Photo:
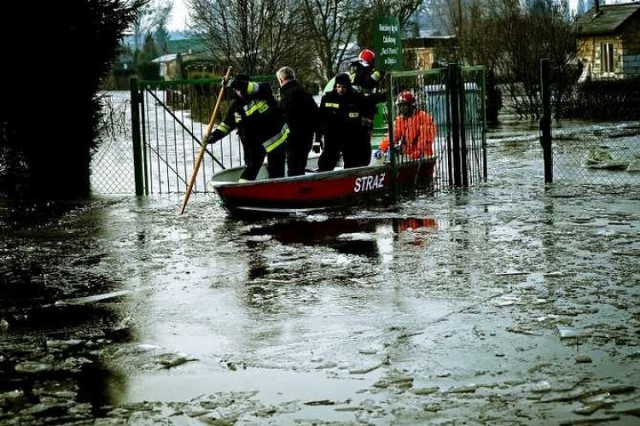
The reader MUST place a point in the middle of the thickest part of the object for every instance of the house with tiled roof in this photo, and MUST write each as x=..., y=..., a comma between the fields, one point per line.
x=608, y=41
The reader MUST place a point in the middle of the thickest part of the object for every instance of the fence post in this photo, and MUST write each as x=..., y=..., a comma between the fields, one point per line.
x=545, y=121
x=453, y=77
x=392, y=152
x=462, y=105
x=136, y=138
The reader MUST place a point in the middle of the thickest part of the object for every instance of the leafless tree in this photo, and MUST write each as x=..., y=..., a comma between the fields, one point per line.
x=510, y=40
x=315, y=37
x=530, y=35
x=331, y=29
x=255, y=36
x=151, y=16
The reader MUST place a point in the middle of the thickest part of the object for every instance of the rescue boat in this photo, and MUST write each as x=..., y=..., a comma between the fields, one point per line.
x=378, y=183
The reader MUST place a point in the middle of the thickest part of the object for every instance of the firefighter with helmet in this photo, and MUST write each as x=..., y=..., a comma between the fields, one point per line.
x=414, y=130
x=364, y=77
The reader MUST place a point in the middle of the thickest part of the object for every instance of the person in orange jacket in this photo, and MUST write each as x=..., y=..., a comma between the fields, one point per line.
x=414, y=130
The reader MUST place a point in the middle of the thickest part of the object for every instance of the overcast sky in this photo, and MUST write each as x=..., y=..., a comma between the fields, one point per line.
x=178, y=16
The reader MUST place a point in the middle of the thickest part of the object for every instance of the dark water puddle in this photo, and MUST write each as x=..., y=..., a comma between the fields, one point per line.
x=100, y=386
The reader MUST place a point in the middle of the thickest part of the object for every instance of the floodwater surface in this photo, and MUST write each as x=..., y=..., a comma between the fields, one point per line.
x=509, y=303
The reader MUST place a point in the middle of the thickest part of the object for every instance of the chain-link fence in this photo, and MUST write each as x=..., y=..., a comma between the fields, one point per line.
x=597, y=153
x=112, y=170
x=587, y=153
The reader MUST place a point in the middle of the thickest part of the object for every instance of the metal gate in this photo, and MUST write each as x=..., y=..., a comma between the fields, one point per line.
x=454, y=97
x=169, y=119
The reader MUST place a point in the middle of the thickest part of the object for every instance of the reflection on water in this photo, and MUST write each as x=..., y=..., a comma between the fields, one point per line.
x=101, y=386
x=345, y=235
x=339, y=250
x=258, y=267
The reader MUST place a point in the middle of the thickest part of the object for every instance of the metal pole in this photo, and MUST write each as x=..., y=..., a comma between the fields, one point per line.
x=545, y=121
x=135, y=136
x=454, y=105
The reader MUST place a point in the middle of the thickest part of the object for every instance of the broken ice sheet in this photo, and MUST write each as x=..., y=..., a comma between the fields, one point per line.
x=566, y=332
x=541, y=386
x=507, y=301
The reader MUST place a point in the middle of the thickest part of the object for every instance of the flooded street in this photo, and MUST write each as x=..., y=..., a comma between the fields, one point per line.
x=507, y=304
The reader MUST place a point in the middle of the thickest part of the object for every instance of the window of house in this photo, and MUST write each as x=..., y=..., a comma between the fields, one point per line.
x=606, y=57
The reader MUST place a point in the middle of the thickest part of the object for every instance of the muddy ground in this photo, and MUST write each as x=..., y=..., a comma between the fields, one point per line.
x=508, y=304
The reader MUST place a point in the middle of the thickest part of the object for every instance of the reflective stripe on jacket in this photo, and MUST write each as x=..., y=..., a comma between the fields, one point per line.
x=277, y=140
x=256, y=105
x=223, y=127
x=257, y=118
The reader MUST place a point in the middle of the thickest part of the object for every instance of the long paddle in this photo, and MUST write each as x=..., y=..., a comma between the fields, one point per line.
x=203, y=147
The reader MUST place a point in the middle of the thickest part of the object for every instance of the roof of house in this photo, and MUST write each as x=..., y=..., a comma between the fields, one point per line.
x=165, y=58
x=607, y=19
x=193, y=47
x=186, y=45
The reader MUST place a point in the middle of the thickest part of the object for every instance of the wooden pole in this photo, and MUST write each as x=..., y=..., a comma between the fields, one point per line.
x=203, y=146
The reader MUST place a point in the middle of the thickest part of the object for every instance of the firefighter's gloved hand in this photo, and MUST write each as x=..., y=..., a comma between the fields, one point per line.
x=317, y=146
x=214, y=137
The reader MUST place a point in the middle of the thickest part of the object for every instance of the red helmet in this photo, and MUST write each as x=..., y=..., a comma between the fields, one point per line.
x=367, y=55
x=406, y=97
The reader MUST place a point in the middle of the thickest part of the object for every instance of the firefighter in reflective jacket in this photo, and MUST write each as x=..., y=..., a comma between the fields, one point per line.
x=413, y=130
x=345, y=131
x=261, y=127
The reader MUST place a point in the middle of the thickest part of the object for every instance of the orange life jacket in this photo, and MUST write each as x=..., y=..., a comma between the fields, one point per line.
x=417, y=133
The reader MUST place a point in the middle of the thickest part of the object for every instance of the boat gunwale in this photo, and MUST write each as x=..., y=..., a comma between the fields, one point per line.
x=313, y=176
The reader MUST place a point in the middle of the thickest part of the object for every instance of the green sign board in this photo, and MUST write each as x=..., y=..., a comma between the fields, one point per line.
x=388, y=43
